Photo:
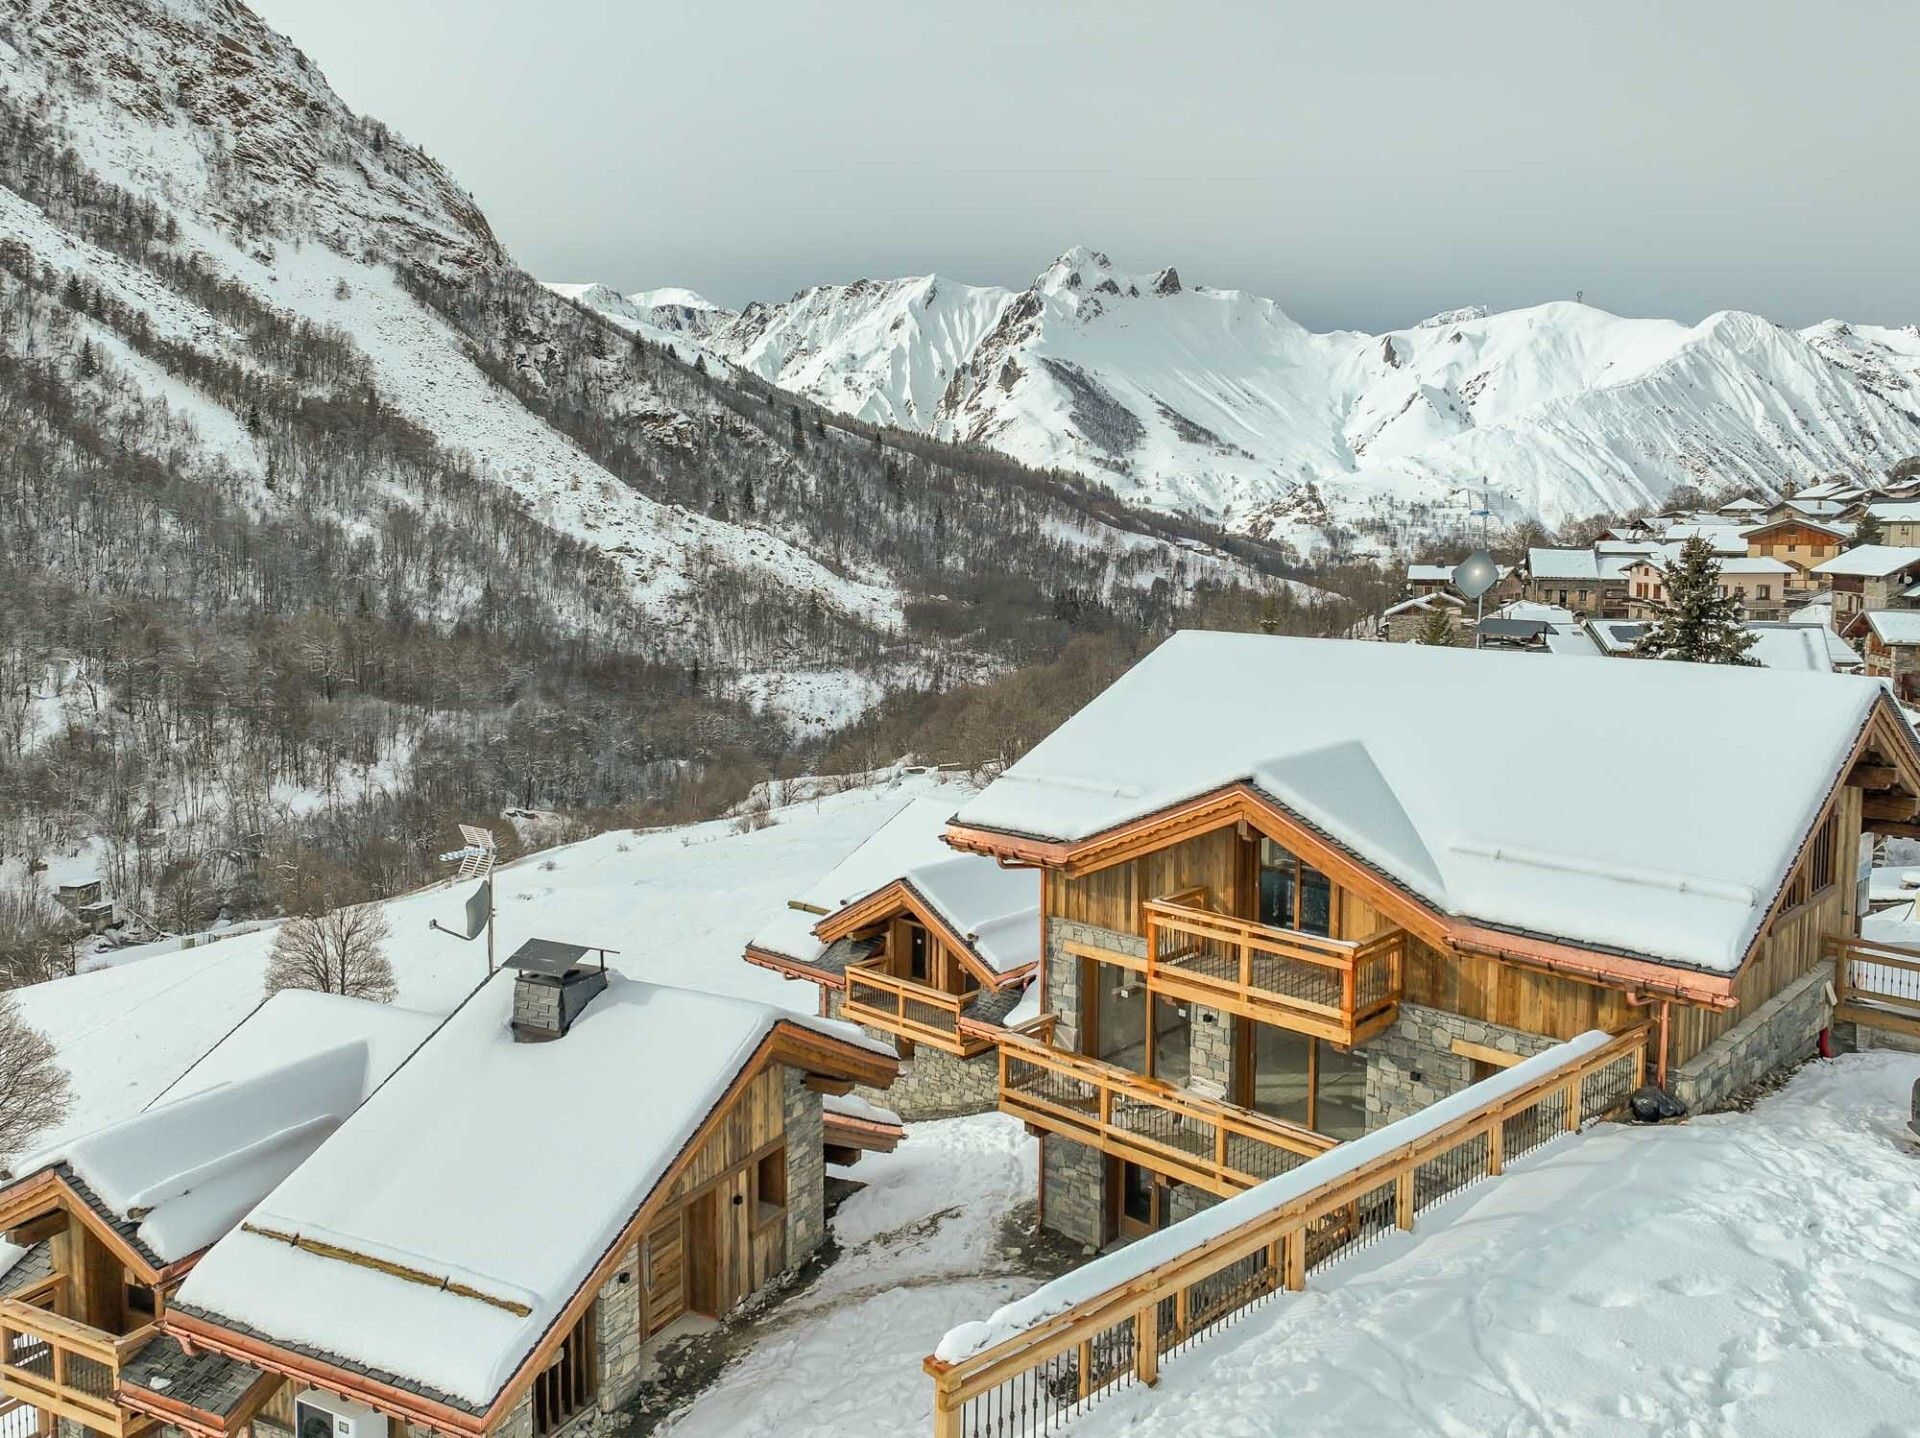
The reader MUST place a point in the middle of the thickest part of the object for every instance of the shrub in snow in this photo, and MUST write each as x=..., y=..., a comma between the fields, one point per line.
x=339, y=952
x=33, y=1088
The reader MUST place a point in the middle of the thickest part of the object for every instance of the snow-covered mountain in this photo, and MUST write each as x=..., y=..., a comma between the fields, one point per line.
x=1214, y=403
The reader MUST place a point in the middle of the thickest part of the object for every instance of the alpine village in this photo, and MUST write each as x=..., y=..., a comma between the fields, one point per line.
x=926, y=858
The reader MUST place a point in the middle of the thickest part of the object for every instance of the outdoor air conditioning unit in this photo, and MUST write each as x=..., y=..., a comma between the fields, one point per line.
x=322, y=1415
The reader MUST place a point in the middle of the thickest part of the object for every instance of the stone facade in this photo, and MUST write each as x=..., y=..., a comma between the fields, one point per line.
x=616, y=1321
x=1782, y=1031
x=933, y=1084
x=1413, y=1065
x=806, y=1170
x=1074, y=1179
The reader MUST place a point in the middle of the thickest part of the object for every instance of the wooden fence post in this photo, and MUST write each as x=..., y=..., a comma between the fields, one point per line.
x=1146, y=1344
x=1295, y=1244
x=946, y=1412
x=1572, y=1105
x=1403, y=1199
x=1497, y=1146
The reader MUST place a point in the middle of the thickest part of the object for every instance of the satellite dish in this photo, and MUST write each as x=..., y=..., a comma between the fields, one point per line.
x=1476, y=574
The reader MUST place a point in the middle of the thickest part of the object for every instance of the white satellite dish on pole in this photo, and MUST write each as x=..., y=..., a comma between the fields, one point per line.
x=475, y=861
x=1473, y=577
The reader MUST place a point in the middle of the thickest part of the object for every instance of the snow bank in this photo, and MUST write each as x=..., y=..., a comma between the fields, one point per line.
x=1122, y=1266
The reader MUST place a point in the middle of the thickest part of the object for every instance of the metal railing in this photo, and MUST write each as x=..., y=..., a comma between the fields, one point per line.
x=1045, y=1373
x=909, y=1010
x=1219, y=1146
x=1341, y=990
x=62, y=1365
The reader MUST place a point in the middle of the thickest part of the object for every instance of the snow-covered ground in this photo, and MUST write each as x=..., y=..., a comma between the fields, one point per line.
x=679, y=905
x=922, y=1244
x=1746, y=1275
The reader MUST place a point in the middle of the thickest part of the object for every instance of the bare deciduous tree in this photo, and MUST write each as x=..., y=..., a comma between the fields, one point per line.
x=33, y=1086
x=341, y=952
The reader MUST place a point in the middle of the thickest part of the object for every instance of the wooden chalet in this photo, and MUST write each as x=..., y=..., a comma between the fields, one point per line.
x=375, y=1220
x=1282, y=906
x=932, y=948
x=1800, y=543
x=1870, y=576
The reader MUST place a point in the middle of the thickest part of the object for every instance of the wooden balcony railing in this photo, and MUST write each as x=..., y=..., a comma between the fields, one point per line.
x=1217, y=1146
x=1875, y=982
x=909, y=1010
x=67, y=1368
x=1341, y=990
x=1098, y=1330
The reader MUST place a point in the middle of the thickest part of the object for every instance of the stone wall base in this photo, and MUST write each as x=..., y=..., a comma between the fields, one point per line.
x=1075, y=1181
x=1413, y=1065
x=1784, y=1030
x=933, y=1084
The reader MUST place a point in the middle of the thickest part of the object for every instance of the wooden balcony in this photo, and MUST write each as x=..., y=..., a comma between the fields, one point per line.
x=64, y=1367
x=908, y=1010
x=1218, y=1146
x=1335, y=989
x=1876, y=984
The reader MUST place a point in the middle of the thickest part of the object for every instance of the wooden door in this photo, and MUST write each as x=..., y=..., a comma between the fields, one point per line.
x=663, y=1274
x=1138, y=1204
x=720, y=1245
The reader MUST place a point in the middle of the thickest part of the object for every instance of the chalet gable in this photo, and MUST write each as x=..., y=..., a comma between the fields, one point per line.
x=1533, y=847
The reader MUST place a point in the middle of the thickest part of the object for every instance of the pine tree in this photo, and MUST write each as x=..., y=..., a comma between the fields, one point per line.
x=1696, y=621
x=1869, y=530
x=1436, y=628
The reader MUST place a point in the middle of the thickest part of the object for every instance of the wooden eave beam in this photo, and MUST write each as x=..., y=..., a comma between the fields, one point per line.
x=901, y=897
x=822, y=1084
x=791, y=968
x=1867, y=775
x=36, y=1229
x=1900, y=810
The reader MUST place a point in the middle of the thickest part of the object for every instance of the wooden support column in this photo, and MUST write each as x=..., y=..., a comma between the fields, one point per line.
x=1403, y=1199
x=1497, y=1146
x=1296, y=1260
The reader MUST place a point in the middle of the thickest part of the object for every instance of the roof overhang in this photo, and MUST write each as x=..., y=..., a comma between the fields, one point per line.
x=48, y=1189
x=902, y=897
x=1241, y=801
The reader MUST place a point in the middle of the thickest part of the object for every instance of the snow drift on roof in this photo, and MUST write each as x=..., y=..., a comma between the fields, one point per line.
x=248, y=1113
x=489, y=1162
x=996, y=910
x=1533, y=829
x=1895, y=626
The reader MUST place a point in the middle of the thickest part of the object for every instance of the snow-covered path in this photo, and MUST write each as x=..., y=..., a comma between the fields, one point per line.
x=1738, y=1276
x=922, y=1248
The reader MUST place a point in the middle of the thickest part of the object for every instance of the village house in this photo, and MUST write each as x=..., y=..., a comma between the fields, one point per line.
x=1587, y=581
x=1758, y=586
x=1889, y=641
x=1404, y=622
x=1801, y=543
x=930, y=948
x=357, y=1220
x=1899, y=521
x=1285, y=916
x=1425, y=579
x=1871, y=576
x=1742, y=510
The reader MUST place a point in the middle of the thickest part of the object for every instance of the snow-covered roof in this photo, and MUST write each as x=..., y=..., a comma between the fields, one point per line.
x=490, y=1163
x=996, y=910
x=1871, y=560
x=1817, y=508
x=1905, y=511
x=1798, y=521
x=1425, y=602
x=1607, y=561
x=1813, y=647
x=181, y=1173
x=1532, y=834
x=1616, y=636
x=1529, y=609
x=1722, y=537
x=1742, y=505
x=1571, y=641
x=1429, y=574
x=1755, y=566
x=1895, y=626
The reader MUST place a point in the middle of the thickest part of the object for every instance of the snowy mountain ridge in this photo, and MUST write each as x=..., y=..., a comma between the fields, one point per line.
x=1215, y=403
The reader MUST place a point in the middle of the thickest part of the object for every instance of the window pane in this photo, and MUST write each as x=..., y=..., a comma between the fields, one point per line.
x=916, y=953
x=1316, y=902
x=1170, y=1041
x=1280, y=1073
x=1121, y=1008
x=1276, y=885
x=1343, y=1093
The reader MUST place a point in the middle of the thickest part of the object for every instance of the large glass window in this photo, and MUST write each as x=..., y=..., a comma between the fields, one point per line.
x=918, y=955
x=1293, y=895
x=1172, y=1041
x=1340, y=1092
x=1120, y=1016
x=1306, y=1081
x=1282, y=1074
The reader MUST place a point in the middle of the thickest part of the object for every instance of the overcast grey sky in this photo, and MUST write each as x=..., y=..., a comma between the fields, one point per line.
x=1363, y=163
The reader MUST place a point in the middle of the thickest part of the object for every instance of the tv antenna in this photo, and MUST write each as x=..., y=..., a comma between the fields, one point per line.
x=473, y=860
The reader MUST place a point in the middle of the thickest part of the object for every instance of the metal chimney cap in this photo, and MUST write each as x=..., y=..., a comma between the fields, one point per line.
x=548, y=958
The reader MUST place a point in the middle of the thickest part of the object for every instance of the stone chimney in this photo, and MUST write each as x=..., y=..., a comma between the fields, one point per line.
x=553, y=984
